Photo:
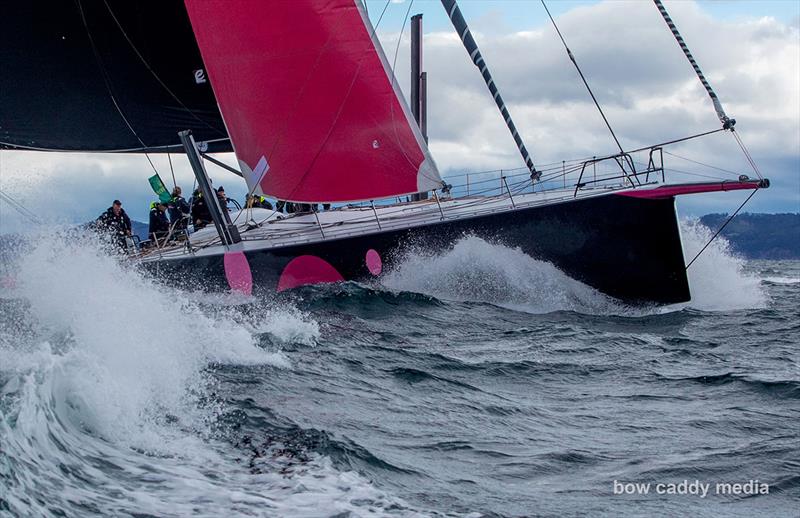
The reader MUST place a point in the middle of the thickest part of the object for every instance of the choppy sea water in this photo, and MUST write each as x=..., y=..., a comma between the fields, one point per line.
x=477, y=381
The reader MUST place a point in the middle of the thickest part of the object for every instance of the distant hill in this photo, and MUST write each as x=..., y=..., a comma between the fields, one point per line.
x=760, y=236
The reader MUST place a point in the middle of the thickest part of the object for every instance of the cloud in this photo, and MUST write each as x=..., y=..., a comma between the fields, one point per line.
x=644, y=83
x=638, y=73
x=77, y=187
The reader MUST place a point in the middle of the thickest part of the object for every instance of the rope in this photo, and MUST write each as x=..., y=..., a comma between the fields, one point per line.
x=20, y=208
x=580, y=73
x=471, y=46
x=172, y=170
x=150, y=69
x=727, y=122
x=722, y=227
x=107, y=82
x=702, y=164
x=747, y=154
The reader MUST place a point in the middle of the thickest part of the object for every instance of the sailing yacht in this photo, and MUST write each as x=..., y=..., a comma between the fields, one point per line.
x=304, y=96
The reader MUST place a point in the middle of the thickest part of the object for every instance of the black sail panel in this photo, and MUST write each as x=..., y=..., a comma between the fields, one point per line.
x=103, y=75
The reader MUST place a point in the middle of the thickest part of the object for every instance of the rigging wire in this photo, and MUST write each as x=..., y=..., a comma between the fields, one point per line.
x=702, y=164
x=583, y=78
x=394, y=80
x=107, y=82
x=727, y=122
x=391, y=101
x=172, y=170
x=747, y=154
x=20, y=208
x=720, y=228
x=153, y=72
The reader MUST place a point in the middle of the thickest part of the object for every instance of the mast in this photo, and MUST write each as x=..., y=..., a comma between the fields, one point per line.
x=418, y=94
x=416, y=65
x=454, y=13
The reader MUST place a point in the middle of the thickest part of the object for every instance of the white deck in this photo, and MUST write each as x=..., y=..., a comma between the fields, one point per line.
x=276, y=230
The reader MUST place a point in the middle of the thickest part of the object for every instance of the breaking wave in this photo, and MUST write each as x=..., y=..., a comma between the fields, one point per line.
x=718, y=278
x=108, y=404
x=477, y=270
x=481, y=271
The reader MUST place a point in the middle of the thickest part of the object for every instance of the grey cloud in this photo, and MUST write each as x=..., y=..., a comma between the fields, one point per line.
x=636, y=69
x=641, y=78
x=75, y=188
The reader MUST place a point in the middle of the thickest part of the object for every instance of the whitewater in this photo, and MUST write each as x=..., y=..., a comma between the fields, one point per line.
x=476, y=381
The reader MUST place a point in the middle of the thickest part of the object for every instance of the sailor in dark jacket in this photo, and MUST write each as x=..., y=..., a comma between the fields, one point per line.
x=201, y=216
x=159, y=224
x=178, y=210
x=116, y=223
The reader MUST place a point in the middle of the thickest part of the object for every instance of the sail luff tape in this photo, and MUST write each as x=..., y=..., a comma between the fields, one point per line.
x=460, y=25
x=726, y=121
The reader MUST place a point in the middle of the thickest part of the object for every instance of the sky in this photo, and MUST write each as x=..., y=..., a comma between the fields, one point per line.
x=749, y=51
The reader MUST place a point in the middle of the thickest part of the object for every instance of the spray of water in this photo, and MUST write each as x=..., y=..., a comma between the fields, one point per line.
x=477, y=270
x=107, y=398
x=132, y=352
x=718, y=278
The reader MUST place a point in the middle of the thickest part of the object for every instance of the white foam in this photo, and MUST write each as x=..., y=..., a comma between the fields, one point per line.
x=782, y=280
x=718, y=278
x=477, y=270
x=112, y=383
x=137, y=349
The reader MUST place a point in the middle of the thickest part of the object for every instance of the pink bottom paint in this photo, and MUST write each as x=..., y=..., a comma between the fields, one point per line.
x=237, y=273
x=305, y=270
x=374, y=263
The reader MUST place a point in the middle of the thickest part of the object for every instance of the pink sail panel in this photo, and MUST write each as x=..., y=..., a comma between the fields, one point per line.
x=308, y=100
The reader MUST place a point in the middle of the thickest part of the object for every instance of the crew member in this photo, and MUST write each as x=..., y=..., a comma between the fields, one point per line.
x=201, y=216
x=178, y=210
x=159, y=224
x=116, y=223
x=223, y=200
x=258, y=202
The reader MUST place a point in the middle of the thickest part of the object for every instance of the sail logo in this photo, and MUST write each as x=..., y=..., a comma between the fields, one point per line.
x=200, y=76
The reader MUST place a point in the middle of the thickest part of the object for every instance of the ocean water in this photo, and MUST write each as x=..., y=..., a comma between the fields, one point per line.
x=472, y=382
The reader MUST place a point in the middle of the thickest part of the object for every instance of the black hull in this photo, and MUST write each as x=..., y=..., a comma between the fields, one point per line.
x=628, y=248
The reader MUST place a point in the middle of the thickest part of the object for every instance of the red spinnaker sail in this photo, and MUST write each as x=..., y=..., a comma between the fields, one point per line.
x=309, y=100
